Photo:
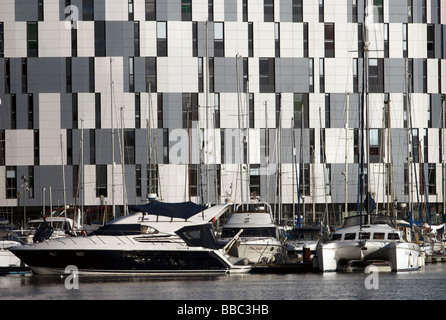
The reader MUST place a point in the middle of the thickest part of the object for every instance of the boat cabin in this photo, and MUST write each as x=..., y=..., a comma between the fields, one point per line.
x=374, y=227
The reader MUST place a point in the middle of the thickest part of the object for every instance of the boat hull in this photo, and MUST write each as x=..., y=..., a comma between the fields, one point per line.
x=401, y=256
x=127, y=262
x=259, y=250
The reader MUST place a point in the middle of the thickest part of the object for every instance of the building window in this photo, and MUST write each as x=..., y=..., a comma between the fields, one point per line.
x=405, y=46
x=32, y=36
x=129, y=146
x=30, y=111
x=376, y=75
x=267, y=75
x=301, y=110
x=374, y=145
x=2, y=40
x=200, y=75
x=311, y=74
x=245, y=10
x=88, y=10
x=277, y=39
x=150, y=10
x=13, y=111
x=2, y=148
x=329, y=34
x=210, y=10
x=355, y=75
x=193, y=180
x=424, y=76
x=160, y=110
x=297, y=11
x=137, y=110
x=24, y=75
x=166, y=146
x=69, y=78
x=161, y=38
x=378, y=4
x=40, y=10
x=99, y=38
x=386, y=40
x=92, y=146
x=304, y=173
x=195, y=39
x=136, y=38
x=186, y=10
x=36, y=147
x=131, y=13
x=430, y=41
x=152, y=178
x=138, y=177
x=217, y=110
x=321, y=75
x=355, y=11
x=69, y=147
x=219, y=42
x=250, y=39
x=409, y=11
x=432, y=175
x=190, y=109
x=251, y=111
x=423, y=11
x=91, y=68
x=327, y=110
x=131, y=74
x=97, y=100
x=11, y=182
x=101, y=181
x=74, y=110
x=211, y=75
x=305, y=39
x=321, y=10
x=328, y=179
x=151, y=83
x=268, y=10
x=7, y=76
x=254, y=180
x=73, y=42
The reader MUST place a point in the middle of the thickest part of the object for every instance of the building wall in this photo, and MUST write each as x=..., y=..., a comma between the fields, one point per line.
x=77, y=79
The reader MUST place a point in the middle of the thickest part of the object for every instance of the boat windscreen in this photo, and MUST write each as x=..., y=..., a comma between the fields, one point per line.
x=374, y=219
x=198, y=236
x=183, y=210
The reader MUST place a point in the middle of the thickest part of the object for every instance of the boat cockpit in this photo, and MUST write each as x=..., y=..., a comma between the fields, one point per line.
x=372, y=219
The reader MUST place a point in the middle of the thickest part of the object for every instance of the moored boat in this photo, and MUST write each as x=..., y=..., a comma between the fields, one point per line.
x=157, y=238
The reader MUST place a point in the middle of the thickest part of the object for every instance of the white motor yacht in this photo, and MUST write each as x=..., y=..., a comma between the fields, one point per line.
x=377, y=240
x=260, y=240
x=300, y=237
x=158, y=238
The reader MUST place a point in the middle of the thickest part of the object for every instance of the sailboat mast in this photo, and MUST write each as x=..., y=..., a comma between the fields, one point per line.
x=112, y=140
x=346, y=156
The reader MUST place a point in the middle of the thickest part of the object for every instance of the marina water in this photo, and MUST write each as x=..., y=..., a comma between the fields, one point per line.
x=428, y=283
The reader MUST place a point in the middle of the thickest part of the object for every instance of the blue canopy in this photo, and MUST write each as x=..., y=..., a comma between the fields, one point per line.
x=183, y=210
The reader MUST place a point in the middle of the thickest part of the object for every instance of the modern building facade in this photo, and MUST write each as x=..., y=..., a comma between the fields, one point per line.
x=210, y=100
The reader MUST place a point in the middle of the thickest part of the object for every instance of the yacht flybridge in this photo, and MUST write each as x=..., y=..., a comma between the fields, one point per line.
x=158, y=238
x=377, y=240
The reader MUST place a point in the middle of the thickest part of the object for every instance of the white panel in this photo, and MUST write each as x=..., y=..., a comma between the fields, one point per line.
x=86, y=109
x=50, y=10
x=19, y=154
x=264, y=40
x=85, y=38
x=395, y=40
x=15, y=39
x=432, y=75
x=291, y=40
x=147, y=40
x=7, y=10
x=199, y=10
x=54, y=39
x=236, y=39
x=139, y=11
x=116, y=10
x=417, y=35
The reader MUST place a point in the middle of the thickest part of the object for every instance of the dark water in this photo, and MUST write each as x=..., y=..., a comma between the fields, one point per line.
x=428, y=283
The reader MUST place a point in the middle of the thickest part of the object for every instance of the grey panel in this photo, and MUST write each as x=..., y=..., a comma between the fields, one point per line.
x=292, y=75
x=286, y=11
x=398, y=11
x=22, y=109
x=230, y=10
x=66, y=111
x=394, y=75
x=80, y=74
x=225, y=70
x=172, y=110
x=140, y=74
x=99, y=10
x=26, y=10
x=15, y=66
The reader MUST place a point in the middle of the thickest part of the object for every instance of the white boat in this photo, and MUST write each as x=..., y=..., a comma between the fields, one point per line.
x=260, y=240
x=377, y=240
x=157, y=239
x=54, y=226
x=300, y=237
